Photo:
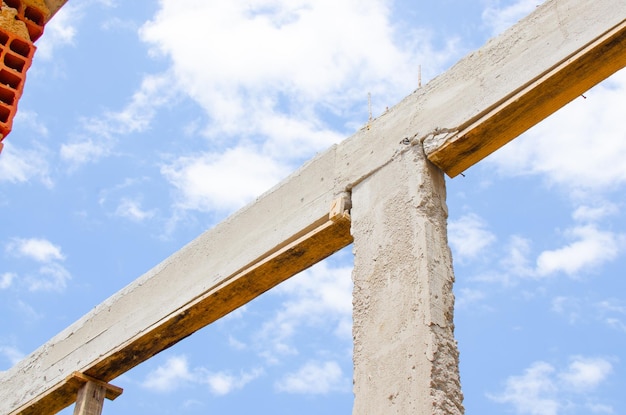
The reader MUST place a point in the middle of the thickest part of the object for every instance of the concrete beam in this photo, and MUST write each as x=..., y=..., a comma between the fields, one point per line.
x=552, y=57
x=287, y=229
x=499, y=91
x=283, y=232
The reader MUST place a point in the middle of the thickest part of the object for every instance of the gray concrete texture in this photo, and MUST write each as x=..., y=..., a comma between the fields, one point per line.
x=361, y=165
x=405, y=355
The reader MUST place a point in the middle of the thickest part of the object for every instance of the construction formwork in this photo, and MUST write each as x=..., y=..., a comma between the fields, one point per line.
x=21, y=23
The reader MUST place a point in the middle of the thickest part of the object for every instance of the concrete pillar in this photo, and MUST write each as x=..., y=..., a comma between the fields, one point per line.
x=405, y=355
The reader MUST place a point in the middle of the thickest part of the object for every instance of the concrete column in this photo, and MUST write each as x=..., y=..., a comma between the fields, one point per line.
x=405, y=355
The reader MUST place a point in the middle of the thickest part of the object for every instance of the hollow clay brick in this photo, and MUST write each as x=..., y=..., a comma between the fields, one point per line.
x=9, y=23
x=33, y=13
x=16, y=56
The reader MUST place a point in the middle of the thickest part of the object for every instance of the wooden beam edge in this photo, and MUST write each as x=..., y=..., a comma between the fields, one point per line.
x=456, y=151
x=230, y=294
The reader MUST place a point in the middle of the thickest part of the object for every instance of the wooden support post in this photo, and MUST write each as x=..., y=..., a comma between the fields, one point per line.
x=90, y=398
x=405, y=355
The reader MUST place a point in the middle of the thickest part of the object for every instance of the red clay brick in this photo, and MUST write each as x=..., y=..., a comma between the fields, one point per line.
x=16, y=56
x=33, y=13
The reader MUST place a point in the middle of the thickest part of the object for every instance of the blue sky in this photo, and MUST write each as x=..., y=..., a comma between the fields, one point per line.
x=144, y=123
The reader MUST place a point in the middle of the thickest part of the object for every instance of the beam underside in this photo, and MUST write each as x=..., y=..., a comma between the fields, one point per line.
x=203, y=281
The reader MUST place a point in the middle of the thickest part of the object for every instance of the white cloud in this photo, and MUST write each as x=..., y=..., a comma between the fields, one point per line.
x=516, y=262
x=21, y=166
x=543, y=390
x=99, y=135
x=131, y=209
x=303, y=68
x=236, y=344
x=263, y=122
x=28, y=312
x=170, y=376
x=38, y=249
x=611, y=313
x=155, y=91
x=597, y=408
x=83, y=151
x=31, y=120
x=467, y=297
x=580, y=149
x=594, y=213
x=222, y=181
x=11, y=353
x=616, y=324
x=51, y=275
x=60, y=31
x=585, y=374
x=611, y=305
x=321, y=297
x=499, y=19
x=315, y=378
x=6, y=280
x=531, y=393
x=591, y=249
x=567, y=306
x=118, y=24
x=469, y=236
x=223, y=383
x=176, y=373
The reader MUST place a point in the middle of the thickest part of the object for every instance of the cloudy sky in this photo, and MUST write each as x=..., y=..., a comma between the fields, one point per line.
x=145, y=123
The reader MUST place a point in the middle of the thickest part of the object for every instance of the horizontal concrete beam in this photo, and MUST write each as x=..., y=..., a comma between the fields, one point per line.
x=287, y=229
x=284, y=232
x=552, y=57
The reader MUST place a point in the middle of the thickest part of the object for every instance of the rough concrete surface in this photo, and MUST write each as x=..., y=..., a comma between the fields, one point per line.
x=401, y=252
x=405, y=355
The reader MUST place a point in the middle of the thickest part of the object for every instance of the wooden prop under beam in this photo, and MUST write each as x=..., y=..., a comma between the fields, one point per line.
x=91, y=394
